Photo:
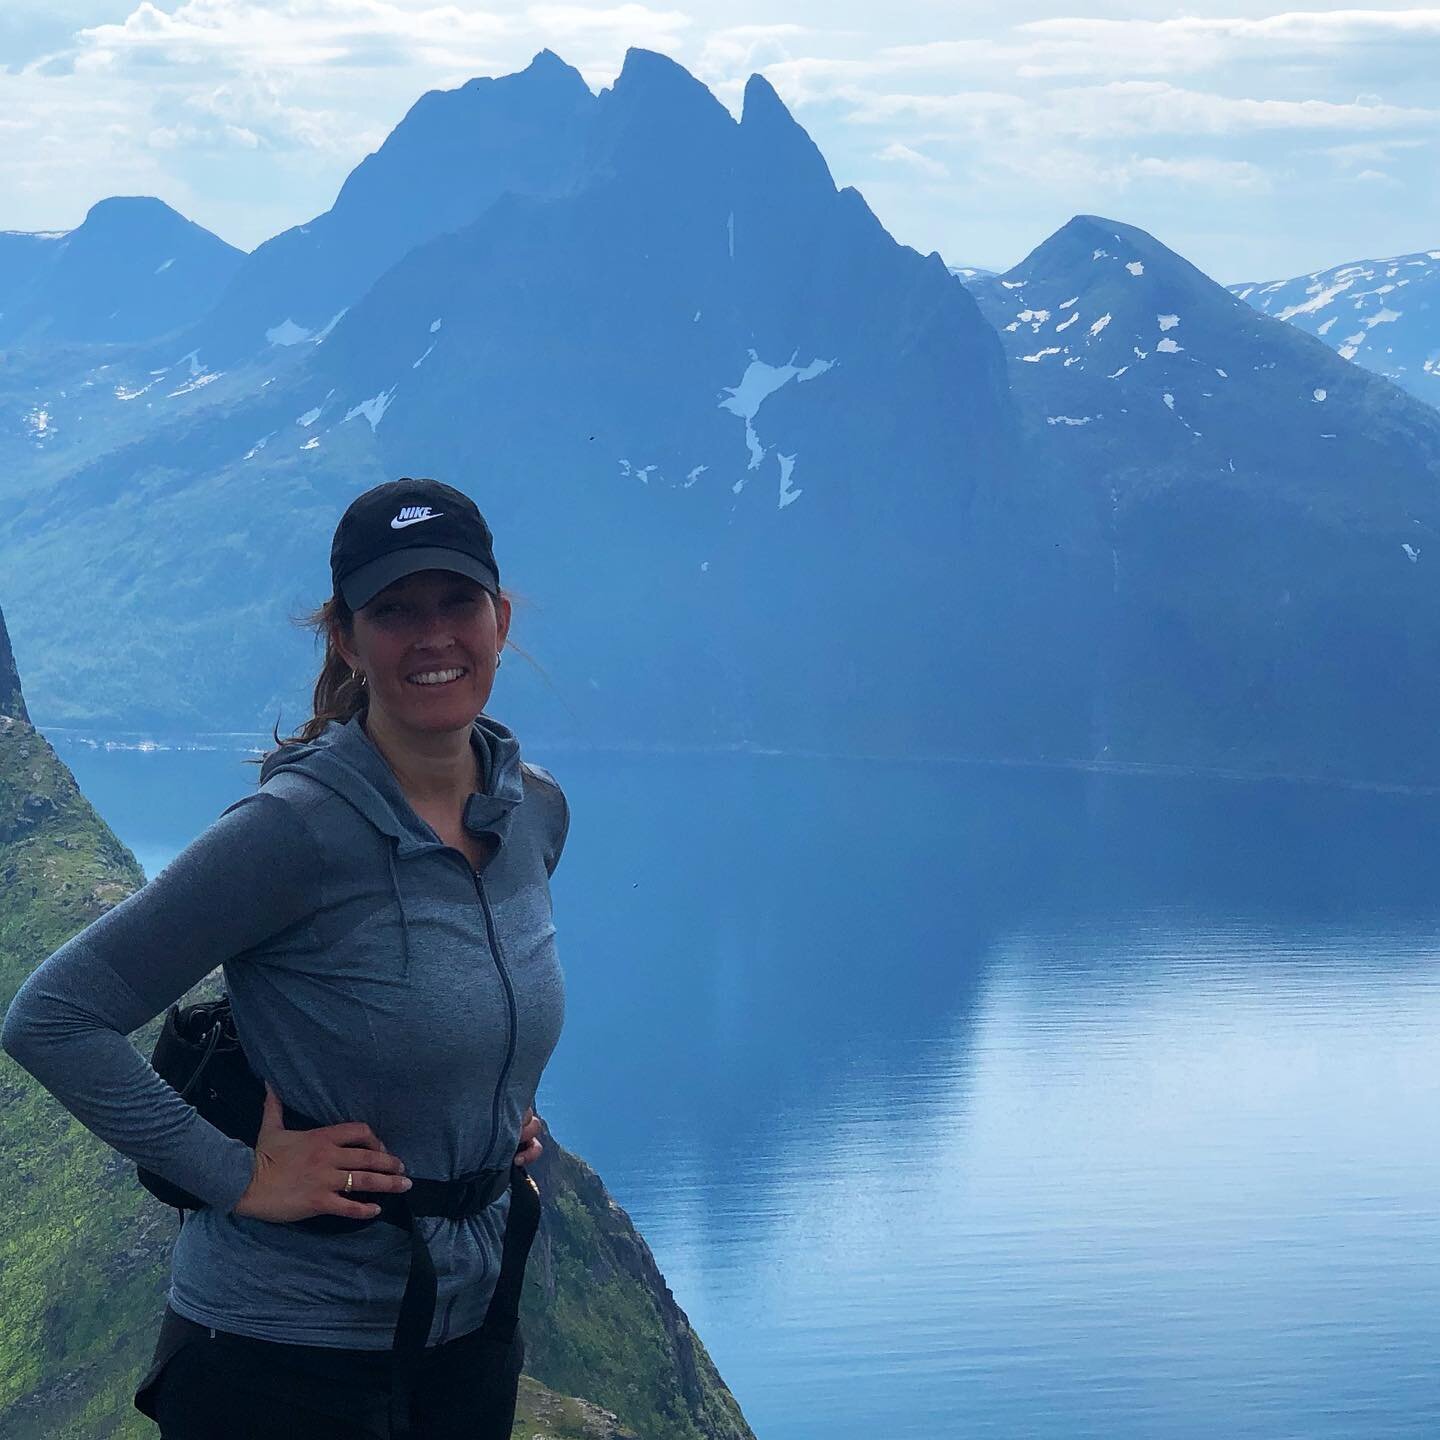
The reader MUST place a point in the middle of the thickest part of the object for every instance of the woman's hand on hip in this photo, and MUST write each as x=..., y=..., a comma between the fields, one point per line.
x=530, y=1146
x=300, y=1173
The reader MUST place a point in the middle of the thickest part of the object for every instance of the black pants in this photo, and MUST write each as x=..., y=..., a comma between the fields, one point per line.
x=205, y=1385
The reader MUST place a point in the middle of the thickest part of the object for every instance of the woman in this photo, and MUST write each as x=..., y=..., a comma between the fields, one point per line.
x=381, y=908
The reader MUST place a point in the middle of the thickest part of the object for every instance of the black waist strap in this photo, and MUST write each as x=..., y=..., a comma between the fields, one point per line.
x=452, y=1199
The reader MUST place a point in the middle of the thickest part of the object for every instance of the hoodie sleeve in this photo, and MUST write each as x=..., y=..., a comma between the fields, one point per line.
x=559, y=809
x=251, y=874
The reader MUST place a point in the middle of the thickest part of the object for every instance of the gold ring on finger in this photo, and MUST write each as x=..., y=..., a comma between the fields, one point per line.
x=349, y=1180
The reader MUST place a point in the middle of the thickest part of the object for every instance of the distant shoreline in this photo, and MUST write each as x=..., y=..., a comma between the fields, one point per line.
x=244, y=742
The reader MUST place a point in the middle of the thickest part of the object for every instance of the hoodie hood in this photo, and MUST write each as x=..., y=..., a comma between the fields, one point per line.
x=344, y=759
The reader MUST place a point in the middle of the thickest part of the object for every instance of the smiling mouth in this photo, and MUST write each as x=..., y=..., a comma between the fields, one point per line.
x=437, y=678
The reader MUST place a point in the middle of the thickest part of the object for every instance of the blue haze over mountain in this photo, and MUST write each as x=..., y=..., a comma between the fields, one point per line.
x=452, y=156
x=133, y=269
x=1262, y=514
x=1382, y=314
x=762, y=475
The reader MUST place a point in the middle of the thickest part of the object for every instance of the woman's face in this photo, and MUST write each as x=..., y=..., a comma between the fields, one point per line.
x=427, y=646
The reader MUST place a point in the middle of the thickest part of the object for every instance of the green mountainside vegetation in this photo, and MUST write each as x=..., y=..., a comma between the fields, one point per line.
x=84, y=1252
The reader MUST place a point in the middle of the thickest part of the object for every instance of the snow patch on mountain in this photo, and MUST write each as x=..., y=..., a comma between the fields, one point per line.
x=287, y=332
x=1360, y=297
x=196, y=383
x=1320, y=297
x=330, y=324
x=642, y=473
x=757, y=384
x=374, y=408
x=787, y=468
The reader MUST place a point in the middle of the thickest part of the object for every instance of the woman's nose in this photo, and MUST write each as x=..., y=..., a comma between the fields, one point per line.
x=434, y=631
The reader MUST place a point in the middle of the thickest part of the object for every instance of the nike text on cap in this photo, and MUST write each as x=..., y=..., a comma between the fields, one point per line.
x=407, y=525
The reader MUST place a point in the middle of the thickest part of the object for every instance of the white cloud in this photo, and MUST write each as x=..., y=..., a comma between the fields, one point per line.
x=923, y=164
x=286, y=36
x=628, y=20
x=1187, y=44
x=1135, y=107
x=1374, y=177
x=1203, y=170
x=249, y=113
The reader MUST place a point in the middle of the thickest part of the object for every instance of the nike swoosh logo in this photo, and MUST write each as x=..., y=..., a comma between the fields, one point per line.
x=398, y=524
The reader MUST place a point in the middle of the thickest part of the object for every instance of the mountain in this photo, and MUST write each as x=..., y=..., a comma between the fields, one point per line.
x=1254, y=519
x=759, y=476
x=84, y=1253
x=447, y=161
x=1382, y=314
x=23, y=256
x=135, y=269
x=12, y=702
x=714, y=413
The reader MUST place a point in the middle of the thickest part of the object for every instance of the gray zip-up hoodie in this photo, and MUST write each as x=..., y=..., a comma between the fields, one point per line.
x=374, y=976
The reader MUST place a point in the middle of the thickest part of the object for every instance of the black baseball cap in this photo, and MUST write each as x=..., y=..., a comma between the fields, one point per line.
x=407, y=525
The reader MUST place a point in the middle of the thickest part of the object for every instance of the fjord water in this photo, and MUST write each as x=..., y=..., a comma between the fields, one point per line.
x=966, y=1101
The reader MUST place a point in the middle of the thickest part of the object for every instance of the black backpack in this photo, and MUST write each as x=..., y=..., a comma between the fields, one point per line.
x=200, y=1055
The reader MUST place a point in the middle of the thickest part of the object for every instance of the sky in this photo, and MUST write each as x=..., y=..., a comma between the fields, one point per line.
x=1258, y=142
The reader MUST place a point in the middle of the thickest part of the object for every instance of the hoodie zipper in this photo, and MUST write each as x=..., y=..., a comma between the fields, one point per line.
x=510, y=1051
x=510, y=1003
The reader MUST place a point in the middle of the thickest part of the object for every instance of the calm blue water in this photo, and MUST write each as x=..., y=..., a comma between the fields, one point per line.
x=964, y=1102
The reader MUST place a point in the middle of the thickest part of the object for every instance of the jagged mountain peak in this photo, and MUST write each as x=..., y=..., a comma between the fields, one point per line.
x=766, y=122
x=448, y=130
x=763, y=102
x=653, y=70
x=657, y=118
x=12, y=702
x=653, y=89
x=454, y=154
